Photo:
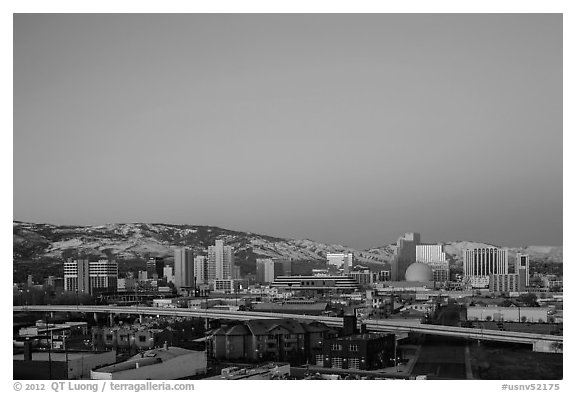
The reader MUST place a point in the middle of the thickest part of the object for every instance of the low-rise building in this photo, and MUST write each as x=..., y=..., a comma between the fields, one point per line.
x=364, y=351
x=264, y=372
x=507, y=314
x=58, y=364
x=226, y=286
x=161, y=363
x=131, y=339
x=506, y=283
x=267, y=339
x=316, y=283
x=363, y=277
x=304, y=307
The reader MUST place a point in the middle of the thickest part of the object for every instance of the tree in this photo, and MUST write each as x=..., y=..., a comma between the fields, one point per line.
x=529, y=299
x=506, y=303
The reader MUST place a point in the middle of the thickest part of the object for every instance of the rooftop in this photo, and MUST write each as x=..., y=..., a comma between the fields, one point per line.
x=147, y=358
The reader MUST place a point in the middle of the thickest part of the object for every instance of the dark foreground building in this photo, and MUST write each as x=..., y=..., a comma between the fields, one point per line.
x=283, y=340
x=363, y=351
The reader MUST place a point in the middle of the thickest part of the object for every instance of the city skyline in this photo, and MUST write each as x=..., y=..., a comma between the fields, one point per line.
x=344, y=129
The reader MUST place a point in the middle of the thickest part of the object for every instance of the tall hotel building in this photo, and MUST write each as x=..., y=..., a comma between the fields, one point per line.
x=83, y=276
x=523, y=269
x=405, y=255
x=155, y=268
x=433, y=256
x=480, y=263
x=183, y=268
x=220, y=261
x=77, y=276
x=200, y=269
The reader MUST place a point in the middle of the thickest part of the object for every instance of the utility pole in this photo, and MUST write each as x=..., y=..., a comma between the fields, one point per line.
x=50, y=347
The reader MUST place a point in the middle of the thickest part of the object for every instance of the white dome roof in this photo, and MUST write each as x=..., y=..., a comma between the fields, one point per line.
x=419, y=272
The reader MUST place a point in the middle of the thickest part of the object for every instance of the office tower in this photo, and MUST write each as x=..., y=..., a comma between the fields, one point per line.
x=433, y=256
x=200, y=270
x=523, y=269
x=220, y=261
x=83, y=276
x=155, y=268
x=341, y=260
x=480, y=263
x=267, y=270
x=286, y=265
x=183, y=268
x=77, y=276
x=405, y=255
x=103, y=275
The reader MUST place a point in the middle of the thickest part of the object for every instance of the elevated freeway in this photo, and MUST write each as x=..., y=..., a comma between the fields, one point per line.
x=537, y=340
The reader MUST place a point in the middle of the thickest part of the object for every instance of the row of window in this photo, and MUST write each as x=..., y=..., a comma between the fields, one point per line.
x=275, y=337
x=338, y=347
x=353, y=363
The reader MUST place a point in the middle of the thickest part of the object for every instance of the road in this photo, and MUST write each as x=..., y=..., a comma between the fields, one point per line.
x=372, y=325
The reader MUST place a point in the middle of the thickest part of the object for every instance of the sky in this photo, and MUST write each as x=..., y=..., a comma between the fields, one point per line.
x=348, y=129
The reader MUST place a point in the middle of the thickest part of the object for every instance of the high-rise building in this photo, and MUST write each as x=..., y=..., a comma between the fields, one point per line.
x=523, y=269
x=168, y=273
x=286, y=265
x=344, y=260
x=405, y=255
x=155, y=268
x=77, y=276
x=220, y=261
x=183, y=268
x=200, y=270
x=430, y=253
x=83, y=276
x=480, y=263
x=433, y=256
x=103, y=275
x=267, y=270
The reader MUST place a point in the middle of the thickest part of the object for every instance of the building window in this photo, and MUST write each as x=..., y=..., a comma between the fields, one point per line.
x=353, y=348
x=142, y=339
x=319, y=360
x=109, y=337
x=336, y=347
x=336, y=362
x=354, y=363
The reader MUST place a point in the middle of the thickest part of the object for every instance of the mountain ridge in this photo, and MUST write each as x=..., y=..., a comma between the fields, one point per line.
x=33, y=241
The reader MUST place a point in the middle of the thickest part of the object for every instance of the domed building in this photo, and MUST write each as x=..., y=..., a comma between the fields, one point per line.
x=419, y=272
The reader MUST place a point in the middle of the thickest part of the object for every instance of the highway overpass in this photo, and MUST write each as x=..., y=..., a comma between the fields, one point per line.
x=542, y=342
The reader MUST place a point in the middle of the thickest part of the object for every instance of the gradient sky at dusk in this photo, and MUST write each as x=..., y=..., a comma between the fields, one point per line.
x=349, y=128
